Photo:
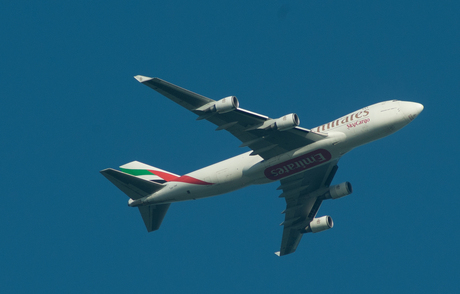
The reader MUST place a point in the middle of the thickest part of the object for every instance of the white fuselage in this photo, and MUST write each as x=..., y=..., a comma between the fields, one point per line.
x=344, y=134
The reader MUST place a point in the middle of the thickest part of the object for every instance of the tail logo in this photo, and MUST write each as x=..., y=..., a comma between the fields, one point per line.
x=165, y=176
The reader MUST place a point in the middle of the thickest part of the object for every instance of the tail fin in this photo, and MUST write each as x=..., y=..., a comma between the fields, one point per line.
x=153, y=215
x=148, y=172
x=138, y=180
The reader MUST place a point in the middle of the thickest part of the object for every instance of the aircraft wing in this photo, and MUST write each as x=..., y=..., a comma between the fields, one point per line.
x=252, y=129
x=303, y=194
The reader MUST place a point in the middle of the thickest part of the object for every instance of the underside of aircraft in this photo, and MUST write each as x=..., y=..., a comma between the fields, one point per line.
x=304, y=161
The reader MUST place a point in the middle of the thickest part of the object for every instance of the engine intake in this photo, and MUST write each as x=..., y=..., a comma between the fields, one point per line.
x=321, y=224
x=340, y=190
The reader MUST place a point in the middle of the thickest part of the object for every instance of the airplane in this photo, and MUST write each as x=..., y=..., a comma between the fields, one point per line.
x=304, y=161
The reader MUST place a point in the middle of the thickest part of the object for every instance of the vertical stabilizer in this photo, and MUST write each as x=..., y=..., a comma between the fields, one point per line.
x=153, y=215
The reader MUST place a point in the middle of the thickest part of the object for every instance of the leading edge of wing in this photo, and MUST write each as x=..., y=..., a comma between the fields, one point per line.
x=241, y=123
x=186, y=98
x=183, y=96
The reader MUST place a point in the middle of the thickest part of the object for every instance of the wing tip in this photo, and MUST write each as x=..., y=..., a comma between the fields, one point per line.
x=142, y=79
x=277, y=253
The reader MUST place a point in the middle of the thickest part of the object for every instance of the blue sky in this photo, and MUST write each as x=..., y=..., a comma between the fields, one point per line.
x=71, y=107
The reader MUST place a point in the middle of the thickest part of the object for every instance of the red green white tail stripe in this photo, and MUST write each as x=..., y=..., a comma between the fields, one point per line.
x=150, y=173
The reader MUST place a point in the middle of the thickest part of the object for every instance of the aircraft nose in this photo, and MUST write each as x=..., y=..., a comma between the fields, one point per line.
x=418, y=108
x=411, y=109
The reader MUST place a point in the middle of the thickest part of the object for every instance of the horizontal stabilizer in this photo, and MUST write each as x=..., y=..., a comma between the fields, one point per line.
x=153, y=215
x=132, y=186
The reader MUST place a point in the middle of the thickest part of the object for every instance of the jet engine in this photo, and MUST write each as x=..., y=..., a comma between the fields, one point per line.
x=286, y=122
x=226, y=104
x=340, y=190
x=321, y=224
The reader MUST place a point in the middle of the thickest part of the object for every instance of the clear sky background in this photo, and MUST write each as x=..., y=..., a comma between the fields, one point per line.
x=71, y=107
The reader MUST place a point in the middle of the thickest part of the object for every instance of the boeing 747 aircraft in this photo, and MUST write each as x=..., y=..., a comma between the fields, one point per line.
x=304, y=161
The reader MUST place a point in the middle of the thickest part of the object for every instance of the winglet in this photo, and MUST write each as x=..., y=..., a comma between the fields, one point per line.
x=142, y=79
x=277, y=253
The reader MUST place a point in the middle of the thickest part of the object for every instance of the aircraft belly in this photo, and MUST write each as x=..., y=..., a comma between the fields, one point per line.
x=297, y=164
x=297, y=161
x=176, y=192
x=310, y=164
x=244, y=170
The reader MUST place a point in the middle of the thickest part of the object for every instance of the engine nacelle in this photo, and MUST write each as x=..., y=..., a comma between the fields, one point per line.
x=321, y=224
x=339, y=190
x=226, y=104
x=286, y=122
